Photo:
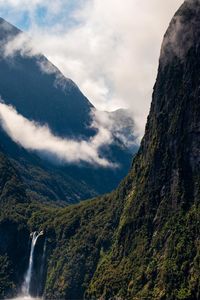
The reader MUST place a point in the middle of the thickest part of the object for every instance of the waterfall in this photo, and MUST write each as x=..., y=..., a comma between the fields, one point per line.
x=42, y=267
x=43, y=257
x=27, y=281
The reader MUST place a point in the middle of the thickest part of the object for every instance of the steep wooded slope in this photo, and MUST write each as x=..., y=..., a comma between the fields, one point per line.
x=156, y=253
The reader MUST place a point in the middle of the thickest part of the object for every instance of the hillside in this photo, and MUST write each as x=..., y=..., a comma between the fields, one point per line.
x=41, y=93
x=142, y=240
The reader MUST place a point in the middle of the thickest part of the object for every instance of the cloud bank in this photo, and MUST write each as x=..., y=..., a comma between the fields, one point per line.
x=110, y=48
x=36, y=137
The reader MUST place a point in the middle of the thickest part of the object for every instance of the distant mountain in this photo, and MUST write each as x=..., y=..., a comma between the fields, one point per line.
x=49, y=98
x=42, y=96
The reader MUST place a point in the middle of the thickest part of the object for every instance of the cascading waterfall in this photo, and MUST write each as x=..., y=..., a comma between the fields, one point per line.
x=27, y=281
x=43, y=257
x=42, y=267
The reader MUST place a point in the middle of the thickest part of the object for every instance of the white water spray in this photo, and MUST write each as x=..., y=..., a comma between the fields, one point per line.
x=42, y=268
x=27, y=281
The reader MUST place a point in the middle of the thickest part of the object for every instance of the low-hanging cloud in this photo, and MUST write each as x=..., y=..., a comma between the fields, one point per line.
x=35, y=137
x=110, y=48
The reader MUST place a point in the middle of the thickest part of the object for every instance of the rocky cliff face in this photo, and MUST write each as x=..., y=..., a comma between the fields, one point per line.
x=156, y=251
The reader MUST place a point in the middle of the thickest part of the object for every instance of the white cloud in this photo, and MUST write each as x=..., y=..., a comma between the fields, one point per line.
x=111, y=50
x=36, y=137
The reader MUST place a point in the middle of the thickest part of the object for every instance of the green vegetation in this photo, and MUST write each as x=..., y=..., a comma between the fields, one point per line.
x=94, y=249
x=5, y=276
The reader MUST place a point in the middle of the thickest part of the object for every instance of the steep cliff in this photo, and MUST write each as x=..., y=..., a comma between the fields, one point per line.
x=156, y=251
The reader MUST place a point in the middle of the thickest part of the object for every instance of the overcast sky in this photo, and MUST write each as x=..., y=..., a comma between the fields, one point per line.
x=110, y=48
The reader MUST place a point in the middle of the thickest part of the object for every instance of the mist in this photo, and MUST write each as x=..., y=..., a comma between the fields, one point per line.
x=109, y=48
x=35, y=137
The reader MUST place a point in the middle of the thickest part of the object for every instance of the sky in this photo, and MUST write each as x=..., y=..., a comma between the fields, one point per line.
x=110, y=48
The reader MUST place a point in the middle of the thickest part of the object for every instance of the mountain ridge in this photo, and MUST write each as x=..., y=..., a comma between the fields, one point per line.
x=53, y=100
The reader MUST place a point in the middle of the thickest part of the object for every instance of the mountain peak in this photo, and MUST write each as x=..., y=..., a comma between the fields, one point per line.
x=40, y=92
x=2, y=20
x=7, y=30
x=183, y=32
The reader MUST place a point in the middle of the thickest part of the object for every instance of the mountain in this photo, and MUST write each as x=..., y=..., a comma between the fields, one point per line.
x=45, y=97
x=142, y=240
x=40, y=93
x=11, y=186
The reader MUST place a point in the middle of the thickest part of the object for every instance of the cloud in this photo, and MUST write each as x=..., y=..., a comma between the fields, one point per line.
x=35, y=137
x=110, y=48
x=120, y=124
